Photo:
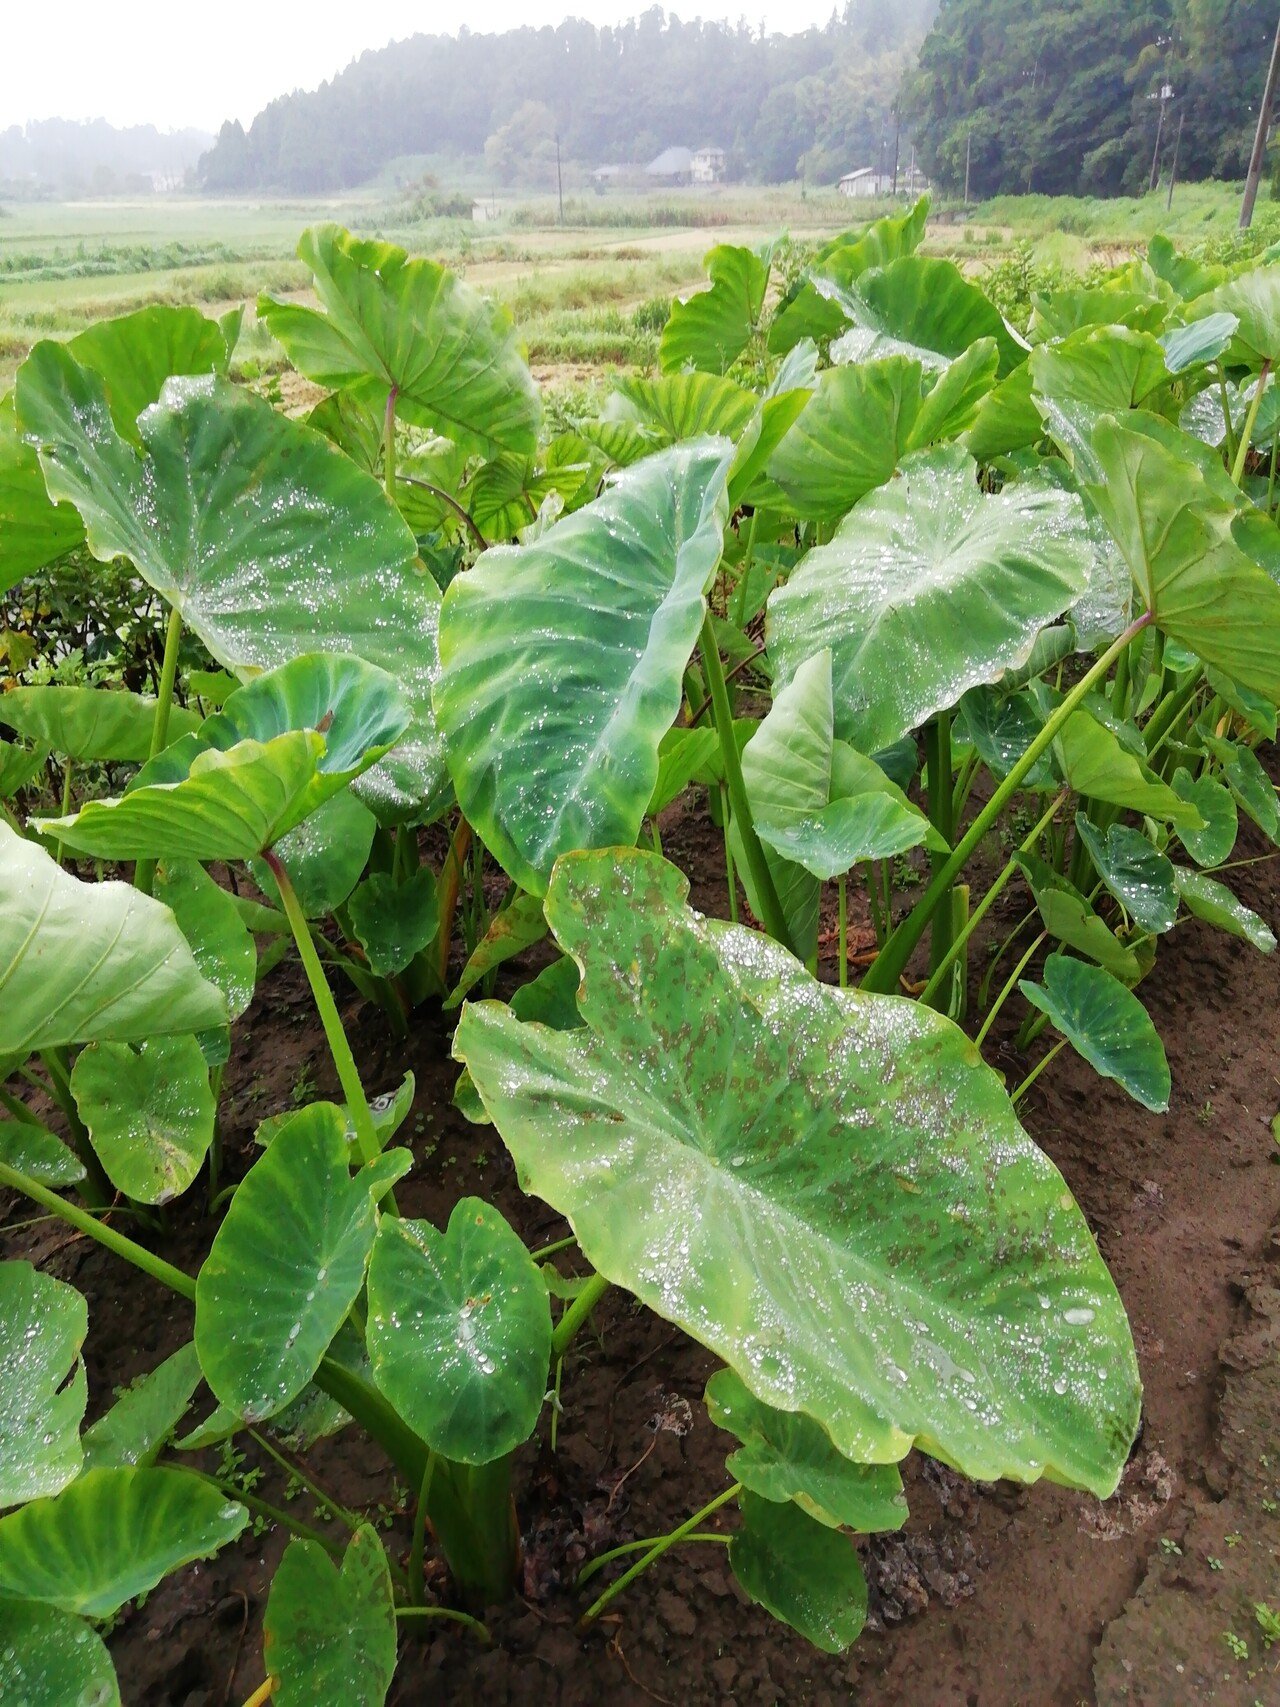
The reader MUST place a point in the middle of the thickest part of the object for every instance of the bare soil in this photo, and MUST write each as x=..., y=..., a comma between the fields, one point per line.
x=995, y=1596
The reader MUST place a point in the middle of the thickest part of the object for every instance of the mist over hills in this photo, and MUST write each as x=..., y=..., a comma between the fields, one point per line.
x=91, y=157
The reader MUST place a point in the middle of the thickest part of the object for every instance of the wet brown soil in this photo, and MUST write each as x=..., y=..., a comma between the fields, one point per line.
x=992, y=1596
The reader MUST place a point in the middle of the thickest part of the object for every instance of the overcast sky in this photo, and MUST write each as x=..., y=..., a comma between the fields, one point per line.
x=173, y=63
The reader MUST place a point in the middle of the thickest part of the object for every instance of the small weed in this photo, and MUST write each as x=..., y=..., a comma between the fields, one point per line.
x=1238, y=1646
x=1268, y=1623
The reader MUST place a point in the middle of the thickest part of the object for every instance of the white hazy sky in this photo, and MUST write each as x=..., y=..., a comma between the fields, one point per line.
x=173, y=63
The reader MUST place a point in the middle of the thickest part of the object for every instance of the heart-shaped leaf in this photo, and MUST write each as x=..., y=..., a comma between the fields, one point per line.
x=800, y=1570
x=710, y=331
x=270, y=542
x=1136, y=873
x=1106, y=1023
x=329, y=1634
x=285, y=1267
x=848, y=1181
x=43, y=1322
x=784, y=1455
x=1212, y=844
x=927, y=589
x=149, y=1111
x=80, y=961
x=460, y=1331
x=563, y=662
x=395, y=921
x=111, y=1536
x=389, y=326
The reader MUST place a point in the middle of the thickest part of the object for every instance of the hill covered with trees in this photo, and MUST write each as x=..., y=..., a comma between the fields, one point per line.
x=1064, y=96
x=817, y=102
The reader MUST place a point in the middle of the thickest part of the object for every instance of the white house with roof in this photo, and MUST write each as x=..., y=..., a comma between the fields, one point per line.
x=869, y=183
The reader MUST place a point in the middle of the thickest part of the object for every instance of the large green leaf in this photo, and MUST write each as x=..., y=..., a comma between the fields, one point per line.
x=803, y=313
x=136, y=353
x=710, y=331
x=927, y=589
x=1177, y=537
x=864, y=419
x=1093, y=760
x=111, y=1536
x=845, y=833
x=221, y=943
x=395, y=921
x=1221, y=823
x=1249, y=783
x=460, y=1331
x=270, y=542
x=52, y=1659
x=827, y=1189
x=919, y=305
x=329, y=1634
x=682, y=406
x=1137, y=874
x=285, y=1266
x=1106, y=1023
x=137, y=1426
x=149, y=1112
x=1253, y=297
x=43, y=1322
x=90, y=723
x=563, y=661
x=279, y=749
x=1216, y=904
x=33, y=531
x=391, y=326
x=82, y=961
x=803, y=1572
x=784, y=1455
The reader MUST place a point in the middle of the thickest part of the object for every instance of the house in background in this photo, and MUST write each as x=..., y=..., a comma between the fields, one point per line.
x=672, y=166
x=618, y=177
x=707, y=166
x=869, y=183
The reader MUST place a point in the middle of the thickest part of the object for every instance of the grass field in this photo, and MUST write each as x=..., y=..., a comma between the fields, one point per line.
x=587, y=295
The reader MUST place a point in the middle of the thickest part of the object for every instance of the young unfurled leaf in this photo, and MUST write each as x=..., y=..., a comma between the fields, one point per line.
x=800, y=1570
x=1069, y=917
x=785, y=1455
x=460, y=1331
x=329, y=1634
x=149, y=1112
x=43, y=1322
x=814, y=1147
x=285, y=1267
x=89, y=960
x=111, y=1536
x=510, y=932
x=1106, y=1023
x=137, y=1426
x=563, y=662
x=929, y=588
x=1136, y=873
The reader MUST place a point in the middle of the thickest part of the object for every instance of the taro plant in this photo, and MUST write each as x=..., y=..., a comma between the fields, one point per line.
x=868, y=573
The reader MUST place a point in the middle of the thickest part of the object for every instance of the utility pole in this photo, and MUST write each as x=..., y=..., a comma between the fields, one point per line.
x=1166, y=95
x=1260, y=139
x=1177, y=149
x=559, y=180
x=897, y=138
x=968, y=161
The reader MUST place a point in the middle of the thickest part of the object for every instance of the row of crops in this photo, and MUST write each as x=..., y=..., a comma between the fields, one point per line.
x=858, y=572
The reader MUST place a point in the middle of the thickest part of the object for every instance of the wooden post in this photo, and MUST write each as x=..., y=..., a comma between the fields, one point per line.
x=1177, y=149
x=1260, y=138
x=968, y=159
x=559, y=180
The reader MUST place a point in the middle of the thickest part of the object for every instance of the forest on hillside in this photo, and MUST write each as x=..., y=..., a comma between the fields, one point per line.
x=814, y=103
x=1065, y=96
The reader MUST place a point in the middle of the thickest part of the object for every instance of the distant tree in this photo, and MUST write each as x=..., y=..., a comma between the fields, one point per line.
x=524, y=148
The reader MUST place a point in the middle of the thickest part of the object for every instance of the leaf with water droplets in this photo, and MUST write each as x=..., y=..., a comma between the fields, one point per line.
x=111, y=1536
x=1137, y=874
x=1070, y=917
x=221, y=942
x=43, y=1322
x=828, y=1189
x=135, y=1429
x=563, y=661
x=460, y=1331
x=395, y=921
x=388, y=323
x=785, y=1455
x=325, y=855
x=1216, y=904
x=285, y=1266
x=928, y=588
x=329, y=1634
x=1211, y=844
x=1106, y=1023
x=149, y=1111
x=89, y=960
x=806, y=1574
x=50, y=1658
x=269, y=542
